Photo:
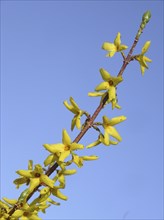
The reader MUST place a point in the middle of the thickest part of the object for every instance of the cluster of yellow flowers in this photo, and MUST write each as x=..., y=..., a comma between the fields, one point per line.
x=64, y=154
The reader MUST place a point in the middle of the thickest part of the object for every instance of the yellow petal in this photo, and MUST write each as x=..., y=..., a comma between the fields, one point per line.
x=69, y=172
x=117, y=40
x=30, y=164
x=61, y=180
x=25, y=173
x=142, y=70
x=76, y=146
x=73, y=123
x=113, y=132
x=115, y=104
x=24, y=218
x=143, y=63
x=105, y=75
x=34, y=182
x=64, y=155
x=54, y=148
x=146, y=59
x=78, y=122
x=17, y=214
x=112, y=93
x=105, y=139
x=108, y=46
x=44, y=179
x=52, y=201
x=94, y=144
x=50, y=159
x=141, y=60
x=113, y=142
x=111, y=53
x=106, y=120
x=70, y=107
x=58, y=194
x=95, y=94
x=66, y=138
x=102, y=86
x=145, y=47
x=74, y=104
x=117, y=120
x=20, y=181
x=92, y=157
x=77, y=160
x=10, y=201
x=116, y=80
x=34, y=217
x=122, y=47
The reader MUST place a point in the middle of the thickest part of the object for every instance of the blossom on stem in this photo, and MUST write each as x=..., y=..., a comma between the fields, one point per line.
x=112, y=48
x=23, y=180
x=109, y=84
x=36, y=177
x=109, y=129
x=74, y=108
x=64, y=149
x=142, y=59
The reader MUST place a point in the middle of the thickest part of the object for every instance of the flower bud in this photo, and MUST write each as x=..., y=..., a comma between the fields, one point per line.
x=146, y=17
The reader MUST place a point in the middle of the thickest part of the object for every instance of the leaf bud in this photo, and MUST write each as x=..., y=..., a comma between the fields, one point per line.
x=146, y=17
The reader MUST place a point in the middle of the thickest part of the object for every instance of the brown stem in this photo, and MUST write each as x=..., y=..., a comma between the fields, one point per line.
x=90, y=120
x=128, y=58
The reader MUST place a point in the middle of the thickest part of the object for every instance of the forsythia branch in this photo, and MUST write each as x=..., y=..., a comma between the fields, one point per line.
x=59, y=158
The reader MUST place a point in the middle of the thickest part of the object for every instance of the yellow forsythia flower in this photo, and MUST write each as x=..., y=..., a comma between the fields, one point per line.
x=65, y=148
x=74, y=108
x=142, y=59
x=112, y=48
x=109, y=128
x=109, y=84
x=36, y=177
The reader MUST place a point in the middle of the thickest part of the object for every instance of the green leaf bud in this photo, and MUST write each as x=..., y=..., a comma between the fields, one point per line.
x=146, y=17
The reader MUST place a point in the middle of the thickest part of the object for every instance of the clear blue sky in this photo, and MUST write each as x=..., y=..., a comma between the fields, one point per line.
x=51, y=50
